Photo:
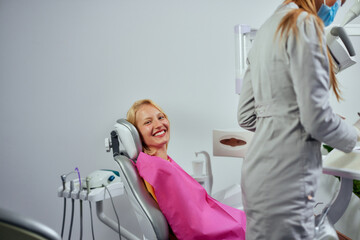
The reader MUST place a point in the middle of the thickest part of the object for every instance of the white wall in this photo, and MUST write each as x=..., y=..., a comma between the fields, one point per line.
x=69, y=69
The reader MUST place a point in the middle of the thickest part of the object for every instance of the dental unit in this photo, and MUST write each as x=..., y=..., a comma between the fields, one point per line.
x=125, y=144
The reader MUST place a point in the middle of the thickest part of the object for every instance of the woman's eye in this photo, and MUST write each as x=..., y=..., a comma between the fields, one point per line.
x=161, y=117
x=147, y=122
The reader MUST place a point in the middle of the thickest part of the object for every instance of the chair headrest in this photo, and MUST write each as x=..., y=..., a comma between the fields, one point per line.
x=129, y=138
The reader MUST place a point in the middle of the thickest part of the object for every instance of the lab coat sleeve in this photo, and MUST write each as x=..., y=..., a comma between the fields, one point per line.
x=246, y=109
x=310, y=74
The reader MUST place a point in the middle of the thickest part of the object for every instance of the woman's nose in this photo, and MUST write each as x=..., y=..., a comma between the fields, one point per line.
x=157, y=123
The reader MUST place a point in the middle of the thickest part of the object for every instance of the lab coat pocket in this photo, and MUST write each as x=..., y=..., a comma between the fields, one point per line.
x=311, y=173
x=309, y=200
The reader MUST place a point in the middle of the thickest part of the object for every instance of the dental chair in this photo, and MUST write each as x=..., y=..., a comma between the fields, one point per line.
x=126, y=145
x=16, y=227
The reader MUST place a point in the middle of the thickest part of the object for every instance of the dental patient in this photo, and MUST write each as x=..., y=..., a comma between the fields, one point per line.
x=189, y=210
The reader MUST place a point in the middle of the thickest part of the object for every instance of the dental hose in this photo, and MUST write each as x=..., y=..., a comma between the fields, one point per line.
x=72, y=216
x=117, y=217
x=81, y=205
x=81, y=219
x=91, y=217
x=63, y=180
x=63, y=221
x=72, y=209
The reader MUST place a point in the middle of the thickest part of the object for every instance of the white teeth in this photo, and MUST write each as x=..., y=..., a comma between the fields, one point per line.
x=159, y=133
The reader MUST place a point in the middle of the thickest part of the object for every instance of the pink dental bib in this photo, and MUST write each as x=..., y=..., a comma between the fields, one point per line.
x=189, y=210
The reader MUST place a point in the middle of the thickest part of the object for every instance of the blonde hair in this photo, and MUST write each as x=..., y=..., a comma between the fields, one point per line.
x=131, y=118
x=288, y=24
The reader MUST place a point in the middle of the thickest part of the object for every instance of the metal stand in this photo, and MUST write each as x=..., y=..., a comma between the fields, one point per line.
x=341, y=200
x=111, y=223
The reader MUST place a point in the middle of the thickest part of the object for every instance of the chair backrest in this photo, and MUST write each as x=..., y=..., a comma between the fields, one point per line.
x=151, y=219
x=16, y=227
x=129, y=138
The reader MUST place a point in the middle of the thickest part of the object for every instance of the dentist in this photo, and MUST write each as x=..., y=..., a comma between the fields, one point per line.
x=285, y=101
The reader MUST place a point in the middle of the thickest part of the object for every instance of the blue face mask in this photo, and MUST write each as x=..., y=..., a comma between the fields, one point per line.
x=327, y=14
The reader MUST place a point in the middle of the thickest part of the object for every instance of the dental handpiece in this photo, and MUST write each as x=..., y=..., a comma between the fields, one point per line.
x=63, y=180
x=87, y=185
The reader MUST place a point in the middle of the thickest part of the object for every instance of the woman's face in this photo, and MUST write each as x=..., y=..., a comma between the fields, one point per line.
x=328, y=3
x=153, y=126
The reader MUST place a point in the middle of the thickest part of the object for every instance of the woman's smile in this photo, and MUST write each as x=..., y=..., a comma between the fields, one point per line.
x=160, y=133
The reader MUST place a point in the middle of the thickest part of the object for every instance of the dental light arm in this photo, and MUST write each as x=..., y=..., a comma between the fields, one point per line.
x=341, y=48
x=339, y=43
x=353, y=12
x=341, y=33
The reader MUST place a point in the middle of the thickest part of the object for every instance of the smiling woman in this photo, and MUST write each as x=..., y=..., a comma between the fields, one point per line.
x=153, y=125
x=189, y=210
x=154, y=128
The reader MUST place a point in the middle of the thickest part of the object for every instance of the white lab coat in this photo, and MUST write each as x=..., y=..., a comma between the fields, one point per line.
x=285, y=100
